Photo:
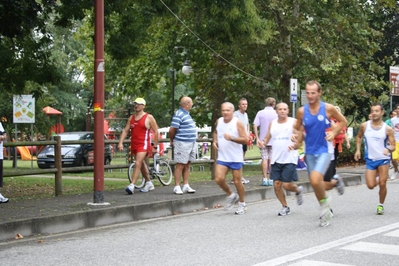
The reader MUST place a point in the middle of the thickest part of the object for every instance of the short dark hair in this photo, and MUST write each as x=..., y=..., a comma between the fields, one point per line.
x=378, y=104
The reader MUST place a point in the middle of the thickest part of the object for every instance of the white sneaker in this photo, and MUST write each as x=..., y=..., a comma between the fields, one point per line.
x=3, y=199
x=148, y=187
x=340, y=186
x=242, y=208
x=244, y=181
x=325, y=212
x=177, y=190
x=130, y=189
x=230, y=201
x=393, y=176
x=188, y=189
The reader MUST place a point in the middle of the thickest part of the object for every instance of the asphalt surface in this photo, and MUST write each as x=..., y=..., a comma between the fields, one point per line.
x=74, y=212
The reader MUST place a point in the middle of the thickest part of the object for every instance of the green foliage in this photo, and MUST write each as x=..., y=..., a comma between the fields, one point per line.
x=346, y=157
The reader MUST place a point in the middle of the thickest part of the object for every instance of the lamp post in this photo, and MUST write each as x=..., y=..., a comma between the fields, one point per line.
x=187, y=70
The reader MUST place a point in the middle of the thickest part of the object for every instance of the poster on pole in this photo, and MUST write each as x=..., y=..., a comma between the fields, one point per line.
x=24, y=109
x=304, y=99
x=393, y=79
x=294, y=90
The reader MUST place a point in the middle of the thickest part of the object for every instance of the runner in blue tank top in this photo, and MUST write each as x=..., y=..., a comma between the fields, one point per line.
x=314, y=119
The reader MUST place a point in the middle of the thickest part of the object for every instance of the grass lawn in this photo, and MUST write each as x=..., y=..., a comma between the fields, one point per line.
x=29, y=187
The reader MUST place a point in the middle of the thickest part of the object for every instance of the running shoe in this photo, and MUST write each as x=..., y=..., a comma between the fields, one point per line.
x=284, y=211
x=244, y=181
x=148, y=187
x=325, y=212
x=393, y=176
x=230, y=201
x=270, y=183
x=340, y=186
x=130, y=189
x=265, y=183
x=380, y=210
x=299, y=196
x=325, y=219
x=3, y=199
x=242, y=208
x=188, y=189
x=177, y=190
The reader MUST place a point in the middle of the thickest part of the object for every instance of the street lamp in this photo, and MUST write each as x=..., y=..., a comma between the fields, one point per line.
x=187, y=70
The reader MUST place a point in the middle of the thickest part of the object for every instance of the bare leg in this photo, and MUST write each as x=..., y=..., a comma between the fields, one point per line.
x=371, y=178
x=140, y=167
x=220, y=178
x=395, y=165
x=317, y=182
x=265, y=166
x=178, y=173
x=383, y=172
x=186, y=173
x=278, y=190
x=330, y=185
x=237, y=182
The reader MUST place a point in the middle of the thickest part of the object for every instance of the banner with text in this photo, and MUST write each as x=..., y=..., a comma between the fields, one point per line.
x=24, y=109
x=393, y=79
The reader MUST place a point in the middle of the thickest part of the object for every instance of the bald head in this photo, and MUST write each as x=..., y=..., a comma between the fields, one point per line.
x=186, y=103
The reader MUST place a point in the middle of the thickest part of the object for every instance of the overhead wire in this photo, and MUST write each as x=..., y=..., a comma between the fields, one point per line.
x=210, y=48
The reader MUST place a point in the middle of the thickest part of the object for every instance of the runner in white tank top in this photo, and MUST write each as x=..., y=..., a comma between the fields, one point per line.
x=376, y=134
x=228, y=138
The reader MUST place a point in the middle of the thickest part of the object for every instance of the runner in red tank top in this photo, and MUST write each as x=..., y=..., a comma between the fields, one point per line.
x=140, y=124
x=142, y=138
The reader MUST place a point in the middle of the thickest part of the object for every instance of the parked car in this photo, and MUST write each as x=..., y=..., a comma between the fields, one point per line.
x=73, y=154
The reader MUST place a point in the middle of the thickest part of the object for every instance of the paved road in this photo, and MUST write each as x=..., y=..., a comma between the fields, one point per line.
x=356, y=236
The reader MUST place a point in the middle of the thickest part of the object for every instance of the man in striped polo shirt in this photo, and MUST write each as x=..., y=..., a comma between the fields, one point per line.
x=183, y=134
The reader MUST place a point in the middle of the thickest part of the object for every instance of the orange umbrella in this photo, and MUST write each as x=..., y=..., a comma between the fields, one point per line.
x=51, y=111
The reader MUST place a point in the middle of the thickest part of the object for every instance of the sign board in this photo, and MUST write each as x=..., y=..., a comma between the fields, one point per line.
x=294, y=90
x=304, y=100
x=24, y=109
x=394, y=80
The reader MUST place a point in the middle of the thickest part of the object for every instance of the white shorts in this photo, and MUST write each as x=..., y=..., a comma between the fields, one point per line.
x=184, y=151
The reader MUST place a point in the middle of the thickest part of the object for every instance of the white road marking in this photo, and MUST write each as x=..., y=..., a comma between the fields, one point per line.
x=374, y=248
x=393, y=233
x=318, y=263
x=340, y=242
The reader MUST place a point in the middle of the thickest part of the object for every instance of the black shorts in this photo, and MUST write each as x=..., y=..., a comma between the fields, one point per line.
x=284, y=172
x=330, y=171
x=244, y=147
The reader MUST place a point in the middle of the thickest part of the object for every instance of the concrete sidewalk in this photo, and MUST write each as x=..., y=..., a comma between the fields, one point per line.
x=68, y=213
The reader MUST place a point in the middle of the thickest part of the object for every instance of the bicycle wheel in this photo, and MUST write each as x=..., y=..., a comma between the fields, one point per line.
x=140, y=180
x=164, y=173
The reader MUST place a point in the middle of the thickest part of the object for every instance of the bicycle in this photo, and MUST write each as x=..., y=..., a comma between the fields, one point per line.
x=161, y=170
